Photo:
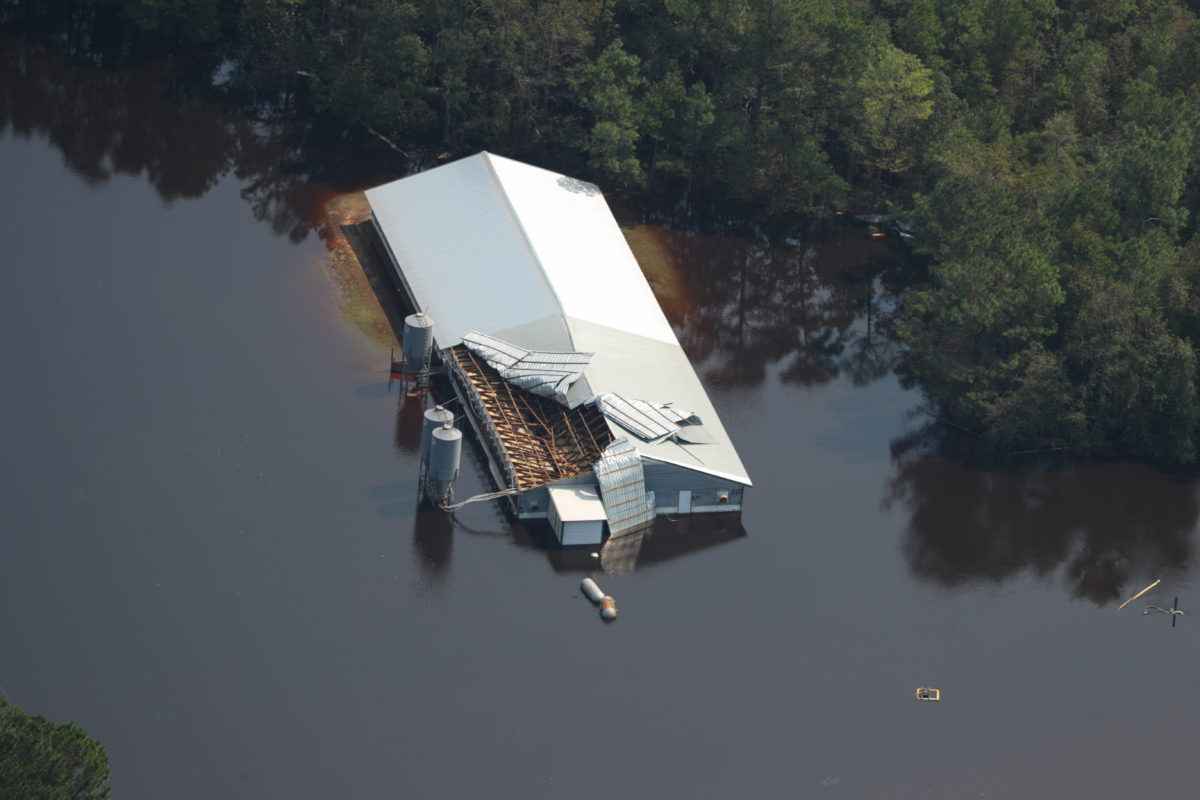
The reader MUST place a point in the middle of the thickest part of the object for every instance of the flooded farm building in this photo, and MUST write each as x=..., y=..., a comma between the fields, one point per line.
x=562, y=359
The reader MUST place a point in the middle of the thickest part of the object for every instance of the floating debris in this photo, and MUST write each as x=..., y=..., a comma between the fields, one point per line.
x=925, y=693
x=608, y=606
x=1139, y=594
x=591, y=590
x=608, y=609
x=1173, y=611
x=1148, y=609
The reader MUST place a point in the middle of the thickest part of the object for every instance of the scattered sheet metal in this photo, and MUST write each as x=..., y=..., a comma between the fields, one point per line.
x=623, y=488
x=694, y=434
x=538, y=371
x=650, y=421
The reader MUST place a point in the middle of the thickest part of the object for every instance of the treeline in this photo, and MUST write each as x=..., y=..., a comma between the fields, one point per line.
x=789, y=106
x=1046, y=152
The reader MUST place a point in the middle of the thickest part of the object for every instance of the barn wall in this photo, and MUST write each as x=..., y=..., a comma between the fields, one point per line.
x=668, y=480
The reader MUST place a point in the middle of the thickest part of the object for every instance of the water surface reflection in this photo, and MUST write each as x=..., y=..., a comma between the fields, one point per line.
x=823, y=307
x=1102, y=526
x=167, y=122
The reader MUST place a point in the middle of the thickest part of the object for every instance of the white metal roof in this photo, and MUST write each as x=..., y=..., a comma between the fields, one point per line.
x=535, y=258
x=577, y=503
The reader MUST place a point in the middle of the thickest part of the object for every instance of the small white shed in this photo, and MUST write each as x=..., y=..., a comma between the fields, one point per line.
x=577, y=514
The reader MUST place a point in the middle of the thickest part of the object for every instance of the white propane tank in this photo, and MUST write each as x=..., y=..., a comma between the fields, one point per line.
x=591, y=590
x=608, y=609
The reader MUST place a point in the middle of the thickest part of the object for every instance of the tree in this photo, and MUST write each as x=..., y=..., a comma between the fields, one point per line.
x=41, y=760
x=976, y=333
x=1148, y=163
x=894, y=96
x=1138, y=381
x=610, y=91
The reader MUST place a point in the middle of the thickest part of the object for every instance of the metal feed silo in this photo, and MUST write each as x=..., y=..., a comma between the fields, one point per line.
x=418, y=342
x=435, y=418
x=445, y=450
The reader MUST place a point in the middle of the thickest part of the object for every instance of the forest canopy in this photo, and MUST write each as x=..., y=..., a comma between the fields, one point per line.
x=1045, y=153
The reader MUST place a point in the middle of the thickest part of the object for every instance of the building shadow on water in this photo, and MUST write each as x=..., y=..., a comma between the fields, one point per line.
x=1102, y=527
x=817, y=309
x=433, y=547
x=667, y=539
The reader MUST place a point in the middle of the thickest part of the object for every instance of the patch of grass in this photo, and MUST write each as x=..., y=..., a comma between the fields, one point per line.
x=360, y=301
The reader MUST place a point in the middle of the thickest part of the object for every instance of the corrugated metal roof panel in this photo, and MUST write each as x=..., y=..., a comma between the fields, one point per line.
x=543, y=373
x=639, y=367
x=647, y=419
x=623, y=488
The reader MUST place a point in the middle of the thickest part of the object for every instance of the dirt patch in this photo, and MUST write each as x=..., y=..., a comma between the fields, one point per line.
x=662, y=270
x=348, y=209
x=367, y=292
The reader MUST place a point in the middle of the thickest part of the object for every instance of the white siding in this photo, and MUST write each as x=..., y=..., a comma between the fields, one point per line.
x=575, y=533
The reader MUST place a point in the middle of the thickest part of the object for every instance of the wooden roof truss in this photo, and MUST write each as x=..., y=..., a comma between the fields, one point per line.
x=537, y=440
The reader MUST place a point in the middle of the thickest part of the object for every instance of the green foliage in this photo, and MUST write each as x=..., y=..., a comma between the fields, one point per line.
x=193, y=21
x=1047, y=150
x=1135, y=378
x=610, y=91
x=41, y=760
x=921, y=33
x=1149, y=158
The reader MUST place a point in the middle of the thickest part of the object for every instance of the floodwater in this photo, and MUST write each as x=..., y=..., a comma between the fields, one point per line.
x=211, y=557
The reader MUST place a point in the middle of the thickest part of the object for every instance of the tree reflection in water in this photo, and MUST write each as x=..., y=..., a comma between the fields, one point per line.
x=820, y=309
x=1103, y=526
x=166, y=120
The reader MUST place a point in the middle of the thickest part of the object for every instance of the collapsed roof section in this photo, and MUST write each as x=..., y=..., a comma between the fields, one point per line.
x=538, y=440
x=650, y=421
x=541, y=372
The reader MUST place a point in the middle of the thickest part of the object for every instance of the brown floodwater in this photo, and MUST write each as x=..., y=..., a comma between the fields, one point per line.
x=213, y=561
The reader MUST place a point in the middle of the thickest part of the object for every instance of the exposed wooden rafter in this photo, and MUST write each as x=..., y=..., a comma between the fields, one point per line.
x=542, y=440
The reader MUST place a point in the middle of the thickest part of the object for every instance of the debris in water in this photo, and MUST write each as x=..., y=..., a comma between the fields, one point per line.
x=1139, y=594
x=1173, y=611
x=591, y=590
x=608, y=609
x=608, y=606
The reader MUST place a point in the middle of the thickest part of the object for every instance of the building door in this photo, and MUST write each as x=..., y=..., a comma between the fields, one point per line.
x=685, y=501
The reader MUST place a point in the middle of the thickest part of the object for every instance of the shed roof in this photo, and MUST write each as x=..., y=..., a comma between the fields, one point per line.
x=536, y=258
x=577, y=503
